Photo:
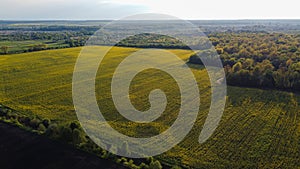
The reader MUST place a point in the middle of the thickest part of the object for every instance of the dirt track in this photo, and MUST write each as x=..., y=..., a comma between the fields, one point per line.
x=21, y=149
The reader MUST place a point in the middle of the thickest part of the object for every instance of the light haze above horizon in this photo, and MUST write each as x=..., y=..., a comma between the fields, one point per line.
x=116, y=9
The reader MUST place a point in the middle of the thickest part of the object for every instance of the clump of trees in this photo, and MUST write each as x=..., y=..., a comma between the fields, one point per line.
x=4, y=49
x=72, y=133
x=264, y=74
x=151, y=40
x=37, y=47
x=259, y=59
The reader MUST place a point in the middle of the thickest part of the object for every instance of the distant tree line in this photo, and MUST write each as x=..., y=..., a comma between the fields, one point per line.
x=49, y=28
x=47, y=40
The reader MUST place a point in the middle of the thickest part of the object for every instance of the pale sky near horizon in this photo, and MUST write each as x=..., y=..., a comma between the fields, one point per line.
x=116, y=9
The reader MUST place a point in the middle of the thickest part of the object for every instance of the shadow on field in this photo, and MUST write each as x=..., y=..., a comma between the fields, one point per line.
x=22, y=149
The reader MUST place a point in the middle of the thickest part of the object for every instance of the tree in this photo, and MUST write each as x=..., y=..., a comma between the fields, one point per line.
x=155, y=165
x=195, y=59
x=289, y=62
x=4, y=49
x=244, y=53
x=46, y=122
x=34, y=123
x=220, y=50
x=38, y=47
x=266, y=66
x=124, y=150
x=53, y=131
x=66, y=134
x=237, y=67
x=42, y=128
x=74, y=125
x=78, y=137
x=248, y=64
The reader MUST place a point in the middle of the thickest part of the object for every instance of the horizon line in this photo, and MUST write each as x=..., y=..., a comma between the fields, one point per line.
x=208, y=19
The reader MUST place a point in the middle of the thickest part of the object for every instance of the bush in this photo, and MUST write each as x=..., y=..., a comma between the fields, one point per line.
x=46, y=122
x=74, y=125
x=143, y=165
x=65, y=134
x=34, y=123
x=42, y=128
x=52, y=131
x=24, y=120
x=78, y=137
x=155, y=165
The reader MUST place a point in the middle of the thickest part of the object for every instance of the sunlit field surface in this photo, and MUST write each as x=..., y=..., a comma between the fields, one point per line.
x=259, y=128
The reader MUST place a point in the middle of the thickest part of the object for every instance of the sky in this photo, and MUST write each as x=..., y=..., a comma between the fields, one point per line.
x=117, y=9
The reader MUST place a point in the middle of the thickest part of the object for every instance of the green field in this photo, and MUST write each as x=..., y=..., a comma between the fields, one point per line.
x=259, y=128
x=26, y=45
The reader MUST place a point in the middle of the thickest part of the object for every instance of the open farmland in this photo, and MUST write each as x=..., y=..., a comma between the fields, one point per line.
x=259, y=128
x=31, y=45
